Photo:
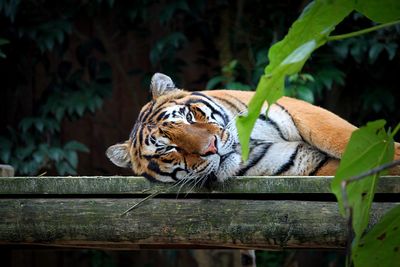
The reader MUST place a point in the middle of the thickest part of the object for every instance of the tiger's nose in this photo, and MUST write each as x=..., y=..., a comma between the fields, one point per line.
x=212, y=147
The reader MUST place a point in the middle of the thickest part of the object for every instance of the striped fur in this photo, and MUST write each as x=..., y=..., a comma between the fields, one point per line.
x=191, y=136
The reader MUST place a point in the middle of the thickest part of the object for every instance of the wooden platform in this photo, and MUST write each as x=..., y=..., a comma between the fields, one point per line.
x=245, y=212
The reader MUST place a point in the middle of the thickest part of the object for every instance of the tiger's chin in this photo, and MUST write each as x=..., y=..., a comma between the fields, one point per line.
x=229, y=166
x=229, y=158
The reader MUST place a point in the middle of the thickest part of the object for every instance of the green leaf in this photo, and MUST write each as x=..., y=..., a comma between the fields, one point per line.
x=4, y=41
x=305, y=94
x=110, y=3
x=98, y=101
x=378, y=10
x=391, y=49
x=10, y=8
x=358, y=50
x=262, y=57
x=213, y=82
x=24, y=152
x=230, y=67
x=80, y=108
x=369, y=147
x=5, y=149
x=76, y=146
x=175, y=39
x=156, y=51
x=68, y=169
x=59, y=113
x=342, y=48
x=326, y=75
x=72, y=157
x=26, y=123
x=374, y=51
x=238, y=86
x=63, y=168
x=288, y=56
x=39, y=157
x=169, y=10
x=56, y=153
x=104, y=71
x=39, y=124
x=59, y=35
x=381, y=245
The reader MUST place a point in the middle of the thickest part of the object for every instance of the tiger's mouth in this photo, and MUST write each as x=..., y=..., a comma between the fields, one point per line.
x=223, y=158
x=226, y=162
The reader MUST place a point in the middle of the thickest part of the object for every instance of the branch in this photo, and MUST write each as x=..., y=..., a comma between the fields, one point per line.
x=373, y=171
x=378, y=169
x=141, y=201
x=161, y=191
x=361, y=32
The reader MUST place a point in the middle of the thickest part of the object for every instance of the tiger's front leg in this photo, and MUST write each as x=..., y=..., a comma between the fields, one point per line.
x=277, y=148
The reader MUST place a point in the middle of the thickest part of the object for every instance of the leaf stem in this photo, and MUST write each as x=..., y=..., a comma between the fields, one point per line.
x=361, y=32
x=373, y=171
x=395, y=130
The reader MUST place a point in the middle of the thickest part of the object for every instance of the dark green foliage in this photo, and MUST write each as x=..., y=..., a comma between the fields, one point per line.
x=228, y=78
x=101, y=259
x=309, y=258
x=34, y=144
x=9, y=8
x=300, y=86
x=163, y=51
x=3, y=42
x=360, y=71
x=271, y=258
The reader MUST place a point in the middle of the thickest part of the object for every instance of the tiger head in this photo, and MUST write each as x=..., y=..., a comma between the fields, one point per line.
x=179, y=136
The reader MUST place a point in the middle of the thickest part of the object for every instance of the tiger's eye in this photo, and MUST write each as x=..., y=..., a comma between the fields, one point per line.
x=189, y=117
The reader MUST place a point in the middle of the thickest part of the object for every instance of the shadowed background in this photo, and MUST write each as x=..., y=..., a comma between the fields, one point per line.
x=74, y=74
x=79, y=70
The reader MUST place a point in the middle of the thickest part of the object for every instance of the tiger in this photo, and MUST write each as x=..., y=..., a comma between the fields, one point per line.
x=191, y=136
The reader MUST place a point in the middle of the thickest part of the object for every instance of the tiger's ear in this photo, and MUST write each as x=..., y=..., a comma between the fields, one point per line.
x=161, y=84
x=119, y=154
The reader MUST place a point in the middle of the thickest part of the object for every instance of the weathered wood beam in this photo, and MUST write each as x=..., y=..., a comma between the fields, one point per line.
x=139, y=185
x=175, y=223
x=245, y=212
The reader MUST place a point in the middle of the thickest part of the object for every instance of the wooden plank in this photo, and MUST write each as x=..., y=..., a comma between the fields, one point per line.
x=175, y=222
x=138, y=185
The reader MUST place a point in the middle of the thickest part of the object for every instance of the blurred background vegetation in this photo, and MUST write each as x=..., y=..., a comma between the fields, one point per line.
x=74, y=74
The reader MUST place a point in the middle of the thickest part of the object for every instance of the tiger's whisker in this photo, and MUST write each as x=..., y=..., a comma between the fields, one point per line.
x=204, y=181
x=207, y=171
x=186, y=180
x=194, y=181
